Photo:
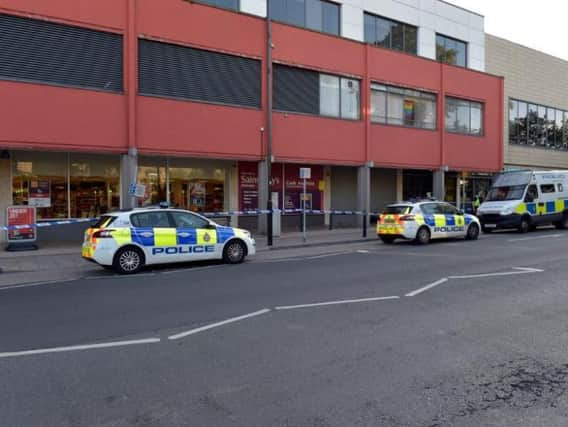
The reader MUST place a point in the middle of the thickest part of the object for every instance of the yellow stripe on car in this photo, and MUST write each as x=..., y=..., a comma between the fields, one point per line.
x=165, y=237
x=206, y=237
x=440, y=220
x=122, y=236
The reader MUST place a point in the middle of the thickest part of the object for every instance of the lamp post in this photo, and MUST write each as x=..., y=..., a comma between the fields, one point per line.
x=269, y=230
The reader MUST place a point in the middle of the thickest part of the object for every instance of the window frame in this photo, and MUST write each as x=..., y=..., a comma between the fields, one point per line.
x=448, y=38
x=481, y=134
x=392, y=22
x=206, y=3
x=419, y=95
x=305, y=17
x=168, y=216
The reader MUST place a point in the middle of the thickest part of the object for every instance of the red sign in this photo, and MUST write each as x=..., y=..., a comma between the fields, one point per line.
x=21, y=215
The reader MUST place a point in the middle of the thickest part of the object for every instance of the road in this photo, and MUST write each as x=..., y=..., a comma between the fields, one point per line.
x=452, y=334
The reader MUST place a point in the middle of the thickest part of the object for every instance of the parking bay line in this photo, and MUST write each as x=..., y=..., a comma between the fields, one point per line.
x=216, y=325
x=79, y=347
x=348, y=301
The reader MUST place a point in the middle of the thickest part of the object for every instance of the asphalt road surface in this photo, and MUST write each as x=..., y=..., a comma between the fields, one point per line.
x=451, y=334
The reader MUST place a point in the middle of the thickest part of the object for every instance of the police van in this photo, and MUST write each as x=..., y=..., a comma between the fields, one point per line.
x=525, y=199
x=127, y=241
x=422, y=221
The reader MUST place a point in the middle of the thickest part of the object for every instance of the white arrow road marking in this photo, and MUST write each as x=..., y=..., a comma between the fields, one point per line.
x=427, y=287
x=520, y=270
x=80, y=347
x=347, y=301
x=216, y=325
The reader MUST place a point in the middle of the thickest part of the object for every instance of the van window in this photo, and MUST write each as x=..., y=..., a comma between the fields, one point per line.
x=532, y=194
x=547, y=188
x=560, y=188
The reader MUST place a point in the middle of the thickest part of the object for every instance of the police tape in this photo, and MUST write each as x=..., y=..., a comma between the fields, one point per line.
x=207, y=214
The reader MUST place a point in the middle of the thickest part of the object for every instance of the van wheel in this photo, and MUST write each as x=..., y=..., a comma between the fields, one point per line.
x=472, y=232
x=128, y=260
x=423, y=236
x=525, y=226
x=563, y=223
x=234, y=252
x=387, y=240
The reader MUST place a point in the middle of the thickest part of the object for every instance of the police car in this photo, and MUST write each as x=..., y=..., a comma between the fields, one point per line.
x=425, y=220
x=127, y=241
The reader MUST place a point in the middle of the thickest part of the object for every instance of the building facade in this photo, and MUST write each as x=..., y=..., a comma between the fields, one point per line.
x=536, y=106
x=382, y=99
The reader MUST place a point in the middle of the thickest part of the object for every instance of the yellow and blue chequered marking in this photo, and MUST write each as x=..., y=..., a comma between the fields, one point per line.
x=148, y=236
x=543, y=208
x=444, y=220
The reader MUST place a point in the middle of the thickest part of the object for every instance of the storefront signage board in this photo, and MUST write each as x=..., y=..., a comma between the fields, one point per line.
x=21, y=215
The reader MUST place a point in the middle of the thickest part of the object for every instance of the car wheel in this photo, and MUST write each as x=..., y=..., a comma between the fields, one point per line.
x=525, y=226
x=423, y=236
x=472, y=232
x=234, y=252
x=128, y=260
x=563, y=223
x=388, y=240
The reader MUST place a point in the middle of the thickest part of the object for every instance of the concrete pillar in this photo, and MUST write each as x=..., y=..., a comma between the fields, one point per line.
x=233, y=185
x=364, y=188
x=263, y=192
x=5, y=193
x=439, y=184
x=128, y=175
x=399, y=185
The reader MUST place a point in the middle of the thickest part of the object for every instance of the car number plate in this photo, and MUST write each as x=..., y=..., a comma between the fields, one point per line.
x=490, y=225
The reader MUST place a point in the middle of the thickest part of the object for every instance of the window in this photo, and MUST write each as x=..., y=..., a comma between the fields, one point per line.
x=464, y=116
x=227, y=4
x=451, y=51
x=431, y=209
x=390, y=34
x=173, y=71
x=537, y=125
x=46, y=52
x=405, y=107
x=158, y=219
x=547, y=188
x=316, y=15
x=310, y=92
x=187, y=220
x=532, y=194
x=448, y=209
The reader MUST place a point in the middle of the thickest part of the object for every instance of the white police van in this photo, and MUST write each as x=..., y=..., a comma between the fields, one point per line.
x=127, y=241
x=525, y=199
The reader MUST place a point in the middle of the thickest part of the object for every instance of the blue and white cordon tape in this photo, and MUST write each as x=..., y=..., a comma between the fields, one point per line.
x=207, y=214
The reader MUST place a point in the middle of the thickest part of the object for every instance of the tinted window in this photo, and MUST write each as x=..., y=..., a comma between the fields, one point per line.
x=397, y=210
x=228, y=4
x=547, y=188
x=104, y=221
x=188, y=220
x=317, y=15
x=151, y=219
x=532, y=194
x=451, y=51
x=390, y=34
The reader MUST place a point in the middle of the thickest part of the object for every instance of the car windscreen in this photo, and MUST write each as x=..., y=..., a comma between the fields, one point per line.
x=397, y=210
x=104, y=221
x=508, y=192
x=512, y=179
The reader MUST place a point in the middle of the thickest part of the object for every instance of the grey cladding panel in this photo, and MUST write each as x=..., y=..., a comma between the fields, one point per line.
x=39, y=51
x=182, y=72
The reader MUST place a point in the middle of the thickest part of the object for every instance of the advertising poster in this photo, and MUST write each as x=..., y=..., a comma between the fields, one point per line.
x=21, y=215
x=248, y=186
x=39, y=193
x=409, y=115
x=197, y=196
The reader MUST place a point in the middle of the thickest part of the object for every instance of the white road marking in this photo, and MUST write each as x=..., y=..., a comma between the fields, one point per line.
x=348, y=301
x=506, y=273
x=522, y=239
x=189, y=269
x=533, y=270
x=30, y=285
x=79, y=347
x=426, y=288
x=329, y=255
x=216, y=325
x=362, y=251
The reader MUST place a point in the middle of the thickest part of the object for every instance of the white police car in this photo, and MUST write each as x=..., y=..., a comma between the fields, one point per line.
x=425, y=220
x=127, y=241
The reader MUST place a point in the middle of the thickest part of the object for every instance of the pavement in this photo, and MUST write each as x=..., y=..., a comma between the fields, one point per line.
x=454, y=333
x=62, y=260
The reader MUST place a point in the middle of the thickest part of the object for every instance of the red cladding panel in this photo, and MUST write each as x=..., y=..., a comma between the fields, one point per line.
x=394, y=146
x=309, y=138
x=98, y=13
x=178, y=127
x=38, y=116
x=201, y=26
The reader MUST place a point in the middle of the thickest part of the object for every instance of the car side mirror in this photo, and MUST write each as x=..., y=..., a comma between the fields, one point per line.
x=210, y=226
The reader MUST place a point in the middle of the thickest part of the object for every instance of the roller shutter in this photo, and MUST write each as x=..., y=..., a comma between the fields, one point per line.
x=296, y=90
x=186, y=73
x=45, y=52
